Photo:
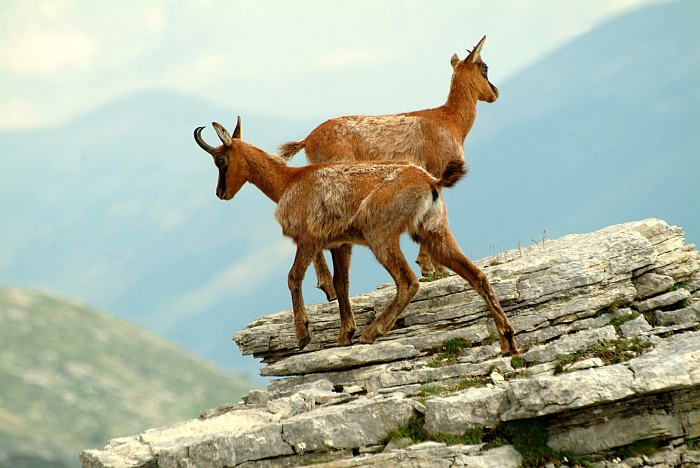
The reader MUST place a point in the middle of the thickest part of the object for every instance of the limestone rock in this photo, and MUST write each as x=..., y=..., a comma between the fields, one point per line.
x=570, y=344
x=651, y=284
x=635, y=327
x=540, y=396
x=663, y=300
x=334, y=405
x=347, y=426
x=689, y=314
x=339, y=358
x=474, y=407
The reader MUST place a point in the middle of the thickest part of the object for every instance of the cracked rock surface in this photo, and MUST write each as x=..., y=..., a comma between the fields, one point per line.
x=608, y=322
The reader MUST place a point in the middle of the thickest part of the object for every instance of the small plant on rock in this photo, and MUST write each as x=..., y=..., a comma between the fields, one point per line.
x=617, y=321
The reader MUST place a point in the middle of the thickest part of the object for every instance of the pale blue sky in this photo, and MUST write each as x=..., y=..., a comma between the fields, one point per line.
x=309, y=59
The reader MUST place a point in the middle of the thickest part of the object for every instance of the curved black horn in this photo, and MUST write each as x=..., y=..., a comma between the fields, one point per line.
x=200, y=141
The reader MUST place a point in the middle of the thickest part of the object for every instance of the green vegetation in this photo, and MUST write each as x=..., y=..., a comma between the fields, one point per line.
x=412, y=430
x=71, y=378
x=678, y=286
x=450, y=349
x=616, y=351
x=637, y=449
x=517, y=362
x=470, y=383
x=693, y=444
x=472, y=436
x=567, y=359
x=528, y=436
x=617, y=321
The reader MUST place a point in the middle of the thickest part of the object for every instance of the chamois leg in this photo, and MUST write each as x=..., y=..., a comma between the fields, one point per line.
x=323, y=276
x=302, y=259
x=428, y=265
x=391, y=258
x=341, y=282
x=443, y=247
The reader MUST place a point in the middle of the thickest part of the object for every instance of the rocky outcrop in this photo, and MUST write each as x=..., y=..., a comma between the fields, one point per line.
x=608, y=322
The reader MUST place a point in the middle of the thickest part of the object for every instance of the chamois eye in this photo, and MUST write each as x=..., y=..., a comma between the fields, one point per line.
x=485, y=69
x=220, y=162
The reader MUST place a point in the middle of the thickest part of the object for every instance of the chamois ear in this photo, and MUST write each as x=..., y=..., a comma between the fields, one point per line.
x=224, y=135
x=476, y=53
x=454, y=60
x=237, y=130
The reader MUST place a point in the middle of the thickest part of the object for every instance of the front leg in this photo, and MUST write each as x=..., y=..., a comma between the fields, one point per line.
x=302, y=259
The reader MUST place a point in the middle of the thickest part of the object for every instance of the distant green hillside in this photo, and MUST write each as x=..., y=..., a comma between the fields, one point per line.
x=71, y=378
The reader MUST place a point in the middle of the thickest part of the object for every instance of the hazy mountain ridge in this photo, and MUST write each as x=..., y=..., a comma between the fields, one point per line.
x=73, y=377
x=601, y=131
x=118, y=207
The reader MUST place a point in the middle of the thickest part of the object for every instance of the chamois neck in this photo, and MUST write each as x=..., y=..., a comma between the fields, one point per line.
x=267, y=172
x=461, y=106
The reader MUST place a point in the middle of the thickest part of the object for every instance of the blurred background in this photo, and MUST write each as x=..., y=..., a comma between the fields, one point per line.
x=123, y=277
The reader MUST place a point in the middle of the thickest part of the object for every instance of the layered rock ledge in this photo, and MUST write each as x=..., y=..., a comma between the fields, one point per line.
x=608, y=322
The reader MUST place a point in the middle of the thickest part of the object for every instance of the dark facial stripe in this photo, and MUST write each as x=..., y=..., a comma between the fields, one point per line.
x=222, y=180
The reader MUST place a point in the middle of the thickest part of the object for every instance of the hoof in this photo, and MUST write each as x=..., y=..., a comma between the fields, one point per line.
x=329, y=292
x=367, y=338
x=304, y=341
x=346, y=340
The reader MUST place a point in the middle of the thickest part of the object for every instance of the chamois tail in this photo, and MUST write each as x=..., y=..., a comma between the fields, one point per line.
x=453, y=173
x=291, y=148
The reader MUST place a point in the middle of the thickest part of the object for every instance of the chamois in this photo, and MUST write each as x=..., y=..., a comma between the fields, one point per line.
x=334, y=205
x=428, y=138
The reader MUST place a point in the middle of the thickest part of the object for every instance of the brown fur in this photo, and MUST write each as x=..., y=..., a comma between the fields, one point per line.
x=332, y=206
x=428, y=138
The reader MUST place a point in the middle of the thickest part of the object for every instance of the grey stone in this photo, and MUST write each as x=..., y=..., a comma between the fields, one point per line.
x=663, y=300
x=473, y=407
x=542, y=395
x=569, y=344
x=651, y=284
x=635, y=327
x=668, y=457
x=675, y=365
x=501, y=457
x=616, y=433
x=689, y=314
x=358, y=423
x=691, y=456
x=339, y=358
x=633, y=462
x=585, y=364
x=398, y=444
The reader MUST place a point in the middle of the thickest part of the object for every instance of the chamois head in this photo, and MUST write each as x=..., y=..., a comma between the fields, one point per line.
x=233, y=170
x=473, y=72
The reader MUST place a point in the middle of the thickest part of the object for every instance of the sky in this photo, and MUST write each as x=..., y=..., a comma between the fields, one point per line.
x=295, y=60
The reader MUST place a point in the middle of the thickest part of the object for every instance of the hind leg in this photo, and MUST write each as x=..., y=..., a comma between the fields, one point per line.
x=428, y=265
x=341, y=282
x=391, y=258
x=442, y=246
x=323, y=276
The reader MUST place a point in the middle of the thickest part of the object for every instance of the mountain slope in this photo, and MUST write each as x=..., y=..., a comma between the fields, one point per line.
x=73, y=377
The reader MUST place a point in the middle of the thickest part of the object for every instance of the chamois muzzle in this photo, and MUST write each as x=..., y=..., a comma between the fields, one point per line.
x=200, y=141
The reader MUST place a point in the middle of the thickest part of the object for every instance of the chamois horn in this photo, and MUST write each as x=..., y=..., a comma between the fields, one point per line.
x=200, y=141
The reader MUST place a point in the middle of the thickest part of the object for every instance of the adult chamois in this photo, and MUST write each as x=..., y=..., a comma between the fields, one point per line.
x=428, y=138
x=332, y=206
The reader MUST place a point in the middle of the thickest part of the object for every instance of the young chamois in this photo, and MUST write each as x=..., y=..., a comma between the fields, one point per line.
x=331, y=206
x=428, y=138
